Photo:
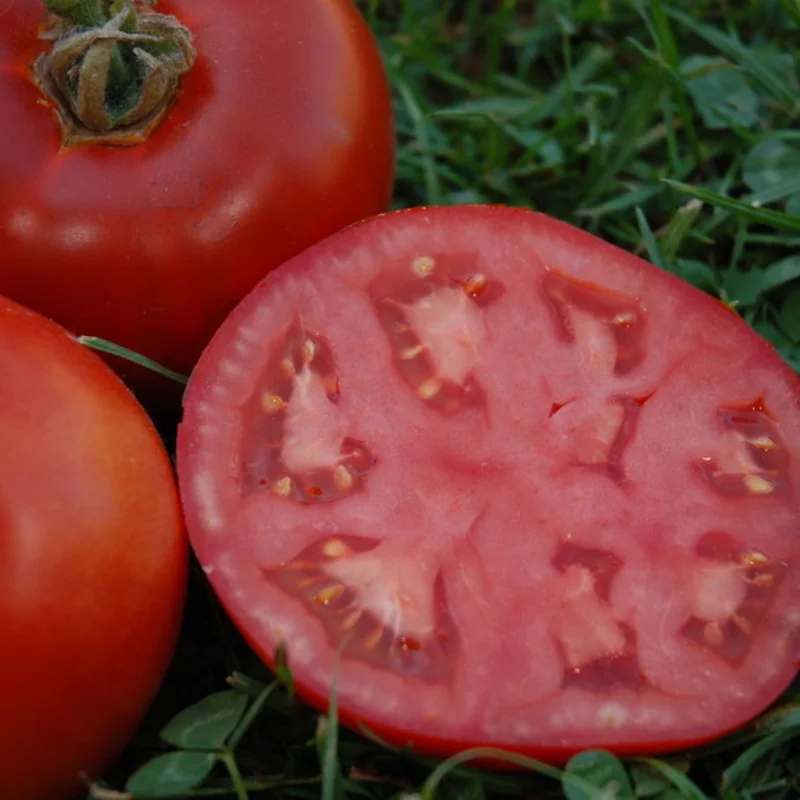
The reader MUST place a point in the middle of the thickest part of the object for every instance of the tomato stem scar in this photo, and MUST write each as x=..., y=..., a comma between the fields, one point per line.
x=113, y=70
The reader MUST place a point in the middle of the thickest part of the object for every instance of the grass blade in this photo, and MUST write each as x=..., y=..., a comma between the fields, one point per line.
x=685, y=785
x=104, y=346
x=679, y=226
x=251, y=714
x=738, y=772
x=428, y=791
x=793, y=9
x=649, y=240
x=610, y=160
x=533, y=108
x=332, y=788
x=433, y=187
x=760, y=216
x=622, y=202
x=668, y=48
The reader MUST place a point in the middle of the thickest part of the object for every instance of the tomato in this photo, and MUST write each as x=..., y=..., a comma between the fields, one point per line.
x=539, y=493
x=93, y=560
x=281, y=133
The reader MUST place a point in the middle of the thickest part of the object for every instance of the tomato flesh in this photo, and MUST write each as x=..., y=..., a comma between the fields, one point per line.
x=93, y=561
x=543, y=495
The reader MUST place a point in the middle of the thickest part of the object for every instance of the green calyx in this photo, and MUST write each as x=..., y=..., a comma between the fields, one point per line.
x=113, y=70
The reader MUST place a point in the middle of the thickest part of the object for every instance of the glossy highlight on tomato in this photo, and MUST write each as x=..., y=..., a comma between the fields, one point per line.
x=281, y=133
x=542, y=495
x=93, y=561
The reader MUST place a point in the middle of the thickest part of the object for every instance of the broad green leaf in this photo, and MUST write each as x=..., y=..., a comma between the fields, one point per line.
x=748, y=287
x=206, y=725
x=771, y=162
x=793, y=204
x=772, y=333
x=171, y=774
x=790, y=324
x=780, y=60
x=747, y=211
x=602, y=771
x=742, y=55
x=779, y=191
x=791, y=355
x=720, y=92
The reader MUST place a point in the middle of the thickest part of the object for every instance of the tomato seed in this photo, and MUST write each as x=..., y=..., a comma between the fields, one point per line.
x=342, y=478
x=713, y=634
x=423, y=266
x=757, y=484
x=329, y=594
x=429, y=389
x=272, y=403
x=283, y=487
x=309, y=350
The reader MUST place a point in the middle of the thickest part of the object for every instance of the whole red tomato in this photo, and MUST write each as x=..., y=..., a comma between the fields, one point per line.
x=93, y=560
x=280, y=132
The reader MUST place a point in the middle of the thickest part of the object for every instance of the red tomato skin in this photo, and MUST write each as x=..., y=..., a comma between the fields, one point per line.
x=282, y=133
x=93, y=560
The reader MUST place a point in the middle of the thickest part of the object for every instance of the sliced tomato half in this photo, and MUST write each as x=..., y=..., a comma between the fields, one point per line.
x=539, y=493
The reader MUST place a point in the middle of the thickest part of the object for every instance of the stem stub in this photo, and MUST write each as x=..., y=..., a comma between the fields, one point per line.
x=113, y=70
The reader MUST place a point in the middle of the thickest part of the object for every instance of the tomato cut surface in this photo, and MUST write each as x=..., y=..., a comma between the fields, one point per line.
x=542, y=495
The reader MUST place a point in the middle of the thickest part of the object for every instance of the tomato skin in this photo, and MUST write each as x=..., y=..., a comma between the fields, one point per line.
x=282, y=133
x=93, y=560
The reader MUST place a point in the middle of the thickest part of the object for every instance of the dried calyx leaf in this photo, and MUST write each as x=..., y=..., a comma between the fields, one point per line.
x=114, y=69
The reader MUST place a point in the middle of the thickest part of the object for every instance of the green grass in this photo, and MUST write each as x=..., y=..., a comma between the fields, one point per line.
x=670, y=129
